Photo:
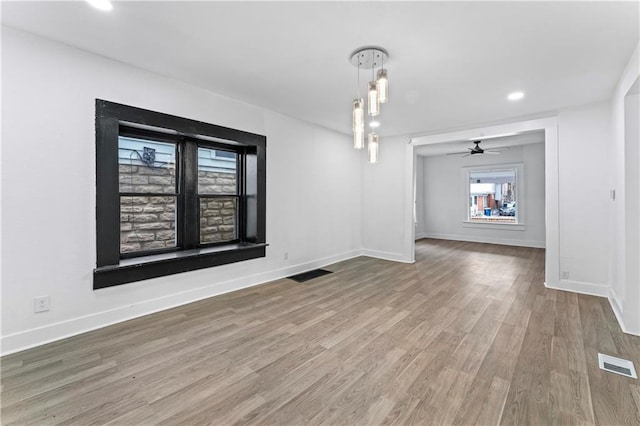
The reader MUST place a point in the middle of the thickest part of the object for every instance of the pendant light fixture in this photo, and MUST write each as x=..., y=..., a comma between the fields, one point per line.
x=358, y=123
x=369, y=57
x=382, y=84
x=358, y=118
x=374, y=101
x=373, y=147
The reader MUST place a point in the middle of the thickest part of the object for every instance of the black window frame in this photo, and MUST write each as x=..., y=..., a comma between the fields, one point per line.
x=115, y=268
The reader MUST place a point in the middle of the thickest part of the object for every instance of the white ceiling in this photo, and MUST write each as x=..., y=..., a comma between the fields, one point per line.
x=462, y=146
x=451, y=64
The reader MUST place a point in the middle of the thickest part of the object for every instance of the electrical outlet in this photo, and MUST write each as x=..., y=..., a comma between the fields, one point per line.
x=41, y=304
x=285, y=255
x=565, y=275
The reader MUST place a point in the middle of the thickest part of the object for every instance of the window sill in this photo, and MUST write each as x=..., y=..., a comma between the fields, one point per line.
x=494, y=225
x=159, y=265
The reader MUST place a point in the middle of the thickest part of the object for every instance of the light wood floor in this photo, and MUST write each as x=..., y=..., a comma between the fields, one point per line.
x=466, y=335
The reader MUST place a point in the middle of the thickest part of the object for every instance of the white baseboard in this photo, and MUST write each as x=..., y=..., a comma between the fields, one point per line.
x=385, y=255
x=590, y=289
x=420, y=235
x=41, y=335
x=616, y=307
x=487, y=240
x=595, y=290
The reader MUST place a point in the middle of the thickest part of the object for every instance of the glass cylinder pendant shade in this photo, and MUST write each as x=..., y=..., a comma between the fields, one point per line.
x=382, y=84
x=373, y=147
x=374, y=101
x=358, y=138
x=358, y=123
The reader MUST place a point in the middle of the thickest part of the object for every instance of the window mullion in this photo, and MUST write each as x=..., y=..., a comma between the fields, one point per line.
x=190, y=217
x=242, y=202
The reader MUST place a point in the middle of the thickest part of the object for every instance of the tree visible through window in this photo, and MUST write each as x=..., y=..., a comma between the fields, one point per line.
x=492, y=196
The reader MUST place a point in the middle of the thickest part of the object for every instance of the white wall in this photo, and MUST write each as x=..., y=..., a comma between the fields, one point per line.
x=48, y=191
x=632, y=211
x=580, y=237
x=587, y=162
x=443, y=198
x=625, y=291
x=384, y=202
x=585, y=204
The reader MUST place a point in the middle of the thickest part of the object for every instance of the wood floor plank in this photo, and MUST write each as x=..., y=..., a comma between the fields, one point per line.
x=467, y=335
x=569, y=396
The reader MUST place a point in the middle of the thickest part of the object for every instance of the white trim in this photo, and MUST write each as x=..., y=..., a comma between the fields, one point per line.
x=552, y=214
x=580, y=287
x=486, y=240
x=41, y=335
x=409, y=204
x=421, y=235
x=475, y=133
x=494, y=225
x=518, y=170
x=385, y=255
x=617, y=309
x=614, y=300
x=552, y=201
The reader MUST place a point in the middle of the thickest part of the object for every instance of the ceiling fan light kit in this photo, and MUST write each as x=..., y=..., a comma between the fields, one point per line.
x=476, y=149
x=369, y=57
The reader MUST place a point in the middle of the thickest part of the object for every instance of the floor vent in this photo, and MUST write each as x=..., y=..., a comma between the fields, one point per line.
x=309, y=275
x=617, y=365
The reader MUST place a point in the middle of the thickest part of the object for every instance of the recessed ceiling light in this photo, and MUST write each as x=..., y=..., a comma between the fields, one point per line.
x=374, y=124
x=104, y=5
x=515, y=96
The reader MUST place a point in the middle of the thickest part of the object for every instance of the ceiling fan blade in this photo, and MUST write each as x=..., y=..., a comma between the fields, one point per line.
x=504, y=148
x=492, y=152
x=456, y=153
x=467, y=154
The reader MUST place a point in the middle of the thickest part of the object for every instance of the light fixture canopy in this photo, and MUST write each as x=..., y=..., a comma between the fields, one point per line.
x=369, y=57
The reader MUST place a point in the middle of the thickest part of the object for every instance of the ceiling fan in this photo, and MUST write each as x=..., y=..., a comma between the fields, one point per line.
x=476, y=150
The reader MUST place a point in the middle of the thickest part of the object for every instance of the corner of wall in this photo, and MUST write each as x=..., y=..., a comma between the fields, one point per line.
x=624, y=294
